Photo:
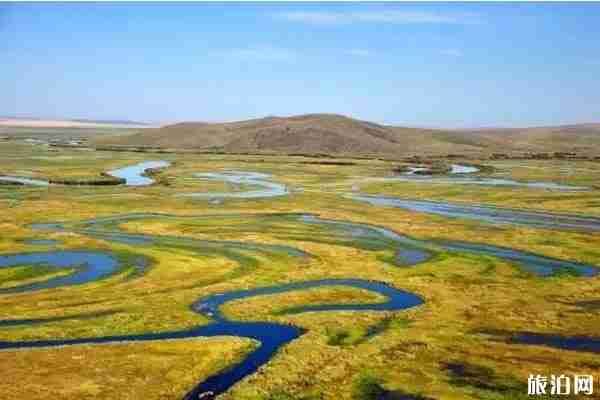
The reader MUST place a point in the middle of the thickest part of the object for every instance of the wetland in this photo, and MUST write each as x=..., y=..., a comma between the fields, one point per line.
x=299, y=285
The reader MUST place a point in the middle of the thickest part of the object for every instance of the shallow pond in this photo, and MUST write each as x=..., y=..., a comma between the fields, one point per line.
x=573, y=343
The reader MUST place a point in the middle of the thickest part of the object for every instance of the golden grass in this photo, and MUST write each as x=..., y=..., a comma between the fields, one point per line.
x=152, y=370
x=463, y=294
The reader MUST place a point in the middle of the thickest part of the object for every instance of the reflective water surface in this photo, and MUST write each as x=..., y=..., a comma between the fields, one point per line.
x=239, y=178
x=537, y=219
x=272, y=336
x=89, y=266
x=134, y=174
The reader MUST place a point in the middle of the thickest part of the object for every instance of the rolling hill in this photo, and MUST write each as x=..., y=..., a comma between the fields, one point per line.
x=333, y=134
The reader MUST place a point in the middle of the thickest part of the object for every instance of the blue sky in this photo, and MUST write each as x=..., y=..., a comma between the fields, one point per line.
x=421, y=64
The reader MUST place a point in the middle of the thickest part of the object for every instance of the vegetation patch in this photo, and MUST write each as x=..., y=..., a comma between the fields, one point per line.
x=226, y=248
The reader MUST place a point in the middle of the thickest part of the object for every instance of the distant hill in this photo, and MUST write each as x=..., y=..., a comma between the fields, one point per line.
x=580, y=138
x=339, y=135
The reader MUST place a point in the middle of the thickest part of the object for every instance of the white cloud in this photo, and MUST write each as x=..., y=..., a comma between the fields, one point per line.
x=359, y=52
x=262, y=54
x=389, y=17
x=452, y=52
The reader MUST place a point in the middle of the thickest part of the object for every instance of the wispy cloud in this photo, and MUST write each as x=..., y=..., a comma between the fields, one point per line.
x=359, y=52
x=383, y=16
x=452, y=52
x=264, y=53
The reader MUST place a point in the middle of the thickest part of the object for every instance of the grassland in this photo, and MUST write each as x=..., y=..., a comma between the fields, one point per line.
x=118, y=371
x=416, y=351
x=580, y=173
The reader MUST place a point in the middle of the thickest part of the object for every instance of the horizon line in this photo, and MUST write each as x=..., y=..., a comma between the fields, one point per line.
x=162, y=123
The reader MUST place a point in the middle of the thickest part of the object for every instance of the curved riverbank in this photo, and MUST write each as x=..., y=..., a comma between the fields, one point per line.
x=272, y=336
x=80, y=266
x=408, y=251
x=241, y=178
x=485, y=181
x=469, y=174
x=136, y=175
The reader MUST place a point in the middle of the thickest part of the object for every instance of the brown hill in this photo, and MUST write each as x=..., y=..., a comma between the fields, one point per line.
x=339, y=135
x=579, y=138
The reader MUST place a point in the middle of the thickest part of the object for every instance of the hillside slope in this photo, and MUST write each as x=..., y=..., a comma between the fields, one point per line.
x=580, y=138
x=339, y=135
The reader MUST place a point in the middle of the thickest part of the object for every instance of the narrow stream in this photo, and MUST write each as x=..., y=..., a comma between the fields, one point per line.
x=237, y=179
x=463, y=175
x=485, y=181
x=496, y=215
x=133, y=175
x=89, y=266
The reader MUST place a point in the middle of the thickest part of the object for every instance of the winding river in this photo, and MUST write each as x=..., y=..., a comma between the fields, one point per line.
x=239, y=178
x=134, y=175
x=271, y=336
x=463, y=175
x=484, y=181
x=422, y=250
x=81, y=267
x=409, y=252
x=497, y=215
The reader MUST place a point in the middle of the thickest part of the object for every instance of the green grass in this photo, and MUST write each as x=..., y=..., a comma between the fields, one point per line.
x=343, y=354
x=26, y=274
x=367, y=387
